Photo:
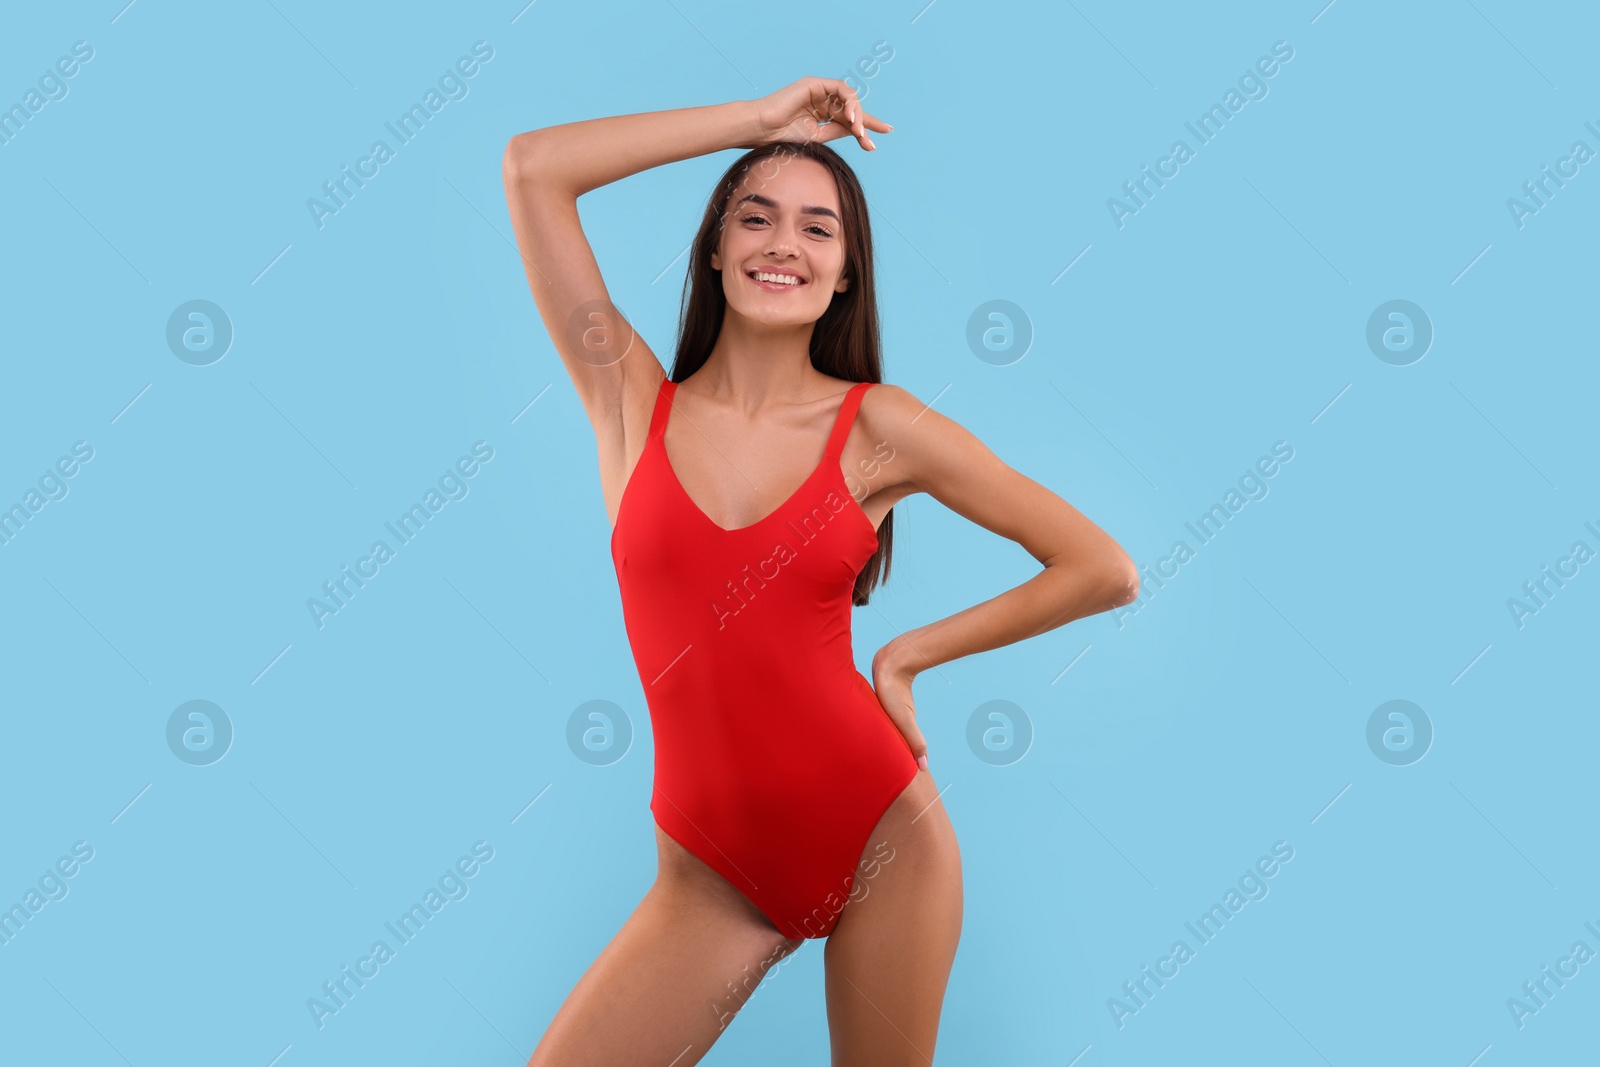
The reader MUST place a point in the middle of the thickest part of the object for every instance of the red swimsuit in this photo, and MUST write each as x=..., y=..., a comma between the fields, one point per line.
x=774, y=760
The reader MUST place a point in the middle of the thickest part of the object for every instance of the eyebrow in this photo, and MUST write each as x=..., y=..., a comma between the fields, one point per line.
x=805, y=209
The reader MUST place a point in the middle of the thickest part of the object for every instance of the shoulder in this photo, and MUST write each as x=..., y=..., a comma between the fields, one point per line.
x=885, y=405
x=927, y=445
x=899, y=430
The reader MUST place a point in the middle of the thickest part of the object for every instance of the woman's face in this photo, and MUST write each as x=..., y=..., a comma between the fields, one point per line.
x=784, y=219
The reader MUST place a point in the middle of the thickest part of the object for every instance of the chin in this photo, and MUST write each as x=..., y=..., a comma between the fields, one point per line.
x=795, y=316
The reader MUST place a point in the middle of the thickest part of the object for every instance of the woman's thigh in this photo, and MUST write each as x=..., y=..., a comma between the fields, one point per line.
x=888, y=959
x=673, y=978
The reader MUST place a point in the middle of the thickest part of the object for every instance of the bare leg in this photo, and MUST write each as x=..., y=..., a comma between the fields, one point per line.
x=888, y=959
x=672, y=979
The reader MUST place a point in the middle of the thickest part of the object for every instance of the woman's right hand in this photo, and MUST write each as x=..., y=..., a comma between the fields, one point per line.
x=816, y=109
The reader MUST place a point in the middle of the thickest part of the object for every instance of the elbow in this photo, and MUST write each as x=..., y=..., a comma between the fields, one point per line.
x=1103, y=582
x=517, y=164
x=1122, y=582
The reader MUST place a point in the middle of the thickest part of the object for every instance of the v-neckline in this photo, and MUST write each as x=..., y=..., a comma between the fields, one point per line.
x=661, y=441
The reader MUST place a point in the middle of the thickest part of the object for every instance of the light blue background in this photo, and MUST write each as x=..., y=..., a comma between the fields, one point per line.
x=1228, y=714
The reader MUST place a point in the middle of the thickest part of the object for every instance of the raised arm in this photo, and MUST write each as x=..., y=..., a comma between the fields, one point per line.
x=615, y=372
x=546, y=170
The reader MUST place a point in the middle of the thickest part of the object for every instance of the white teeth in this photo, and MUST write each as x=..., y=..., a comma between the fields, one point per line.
x=781, y=279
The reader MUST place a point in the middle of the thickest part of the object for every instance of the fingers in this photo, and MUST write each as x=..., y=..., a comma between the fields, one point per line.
x=857, y=120
x=832, y=131
x=906, y=722
x=843, y=106
x=860, y=128
x=853, y=116
x=919, y=746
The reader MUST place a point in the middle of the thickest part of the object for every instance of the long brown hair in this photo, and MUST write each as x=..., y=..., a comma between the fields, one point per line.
x=844, y=341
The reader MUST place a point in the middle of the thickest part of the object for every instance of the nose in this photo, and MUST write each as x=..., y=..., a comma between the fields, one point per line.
x=781, y=239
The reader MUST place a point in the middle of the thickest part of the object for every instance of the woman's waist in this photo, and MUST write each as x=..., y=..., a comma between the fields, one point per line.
x=775, y=722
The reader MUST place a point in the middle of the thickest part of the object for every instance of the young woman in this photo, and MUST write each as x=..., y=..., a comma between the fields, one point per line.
x=750, y=495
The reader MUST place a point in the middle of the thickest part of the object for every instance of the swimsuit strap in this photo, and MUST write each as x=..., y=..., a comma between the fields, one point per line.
x=836, y=439
x=847, y=415
x=658, y=416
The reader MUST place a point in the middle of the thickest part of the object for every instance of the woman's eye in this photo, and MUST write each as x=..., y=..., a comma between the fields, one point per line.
x=817, y=228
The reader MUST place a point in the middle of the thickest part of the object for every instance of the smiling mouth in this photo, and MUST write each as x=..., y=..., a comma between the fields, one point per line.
x=774, y=281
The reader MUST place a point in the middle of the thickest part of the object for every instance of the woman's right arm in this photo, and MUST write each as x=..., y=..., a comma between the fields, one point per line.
x=545, y=171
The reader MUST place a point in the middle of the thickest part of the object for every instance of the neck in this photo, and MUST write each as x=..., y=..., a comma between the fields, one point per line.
x=756, y=363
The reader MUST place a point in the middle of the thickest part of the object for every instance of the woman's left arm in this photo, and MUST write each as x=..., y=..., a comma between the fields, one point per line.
x=1085, y=571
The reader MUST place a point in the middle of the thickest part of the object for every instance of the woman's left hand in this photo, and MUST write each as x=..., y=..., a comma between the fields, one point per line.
x=891, y=678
